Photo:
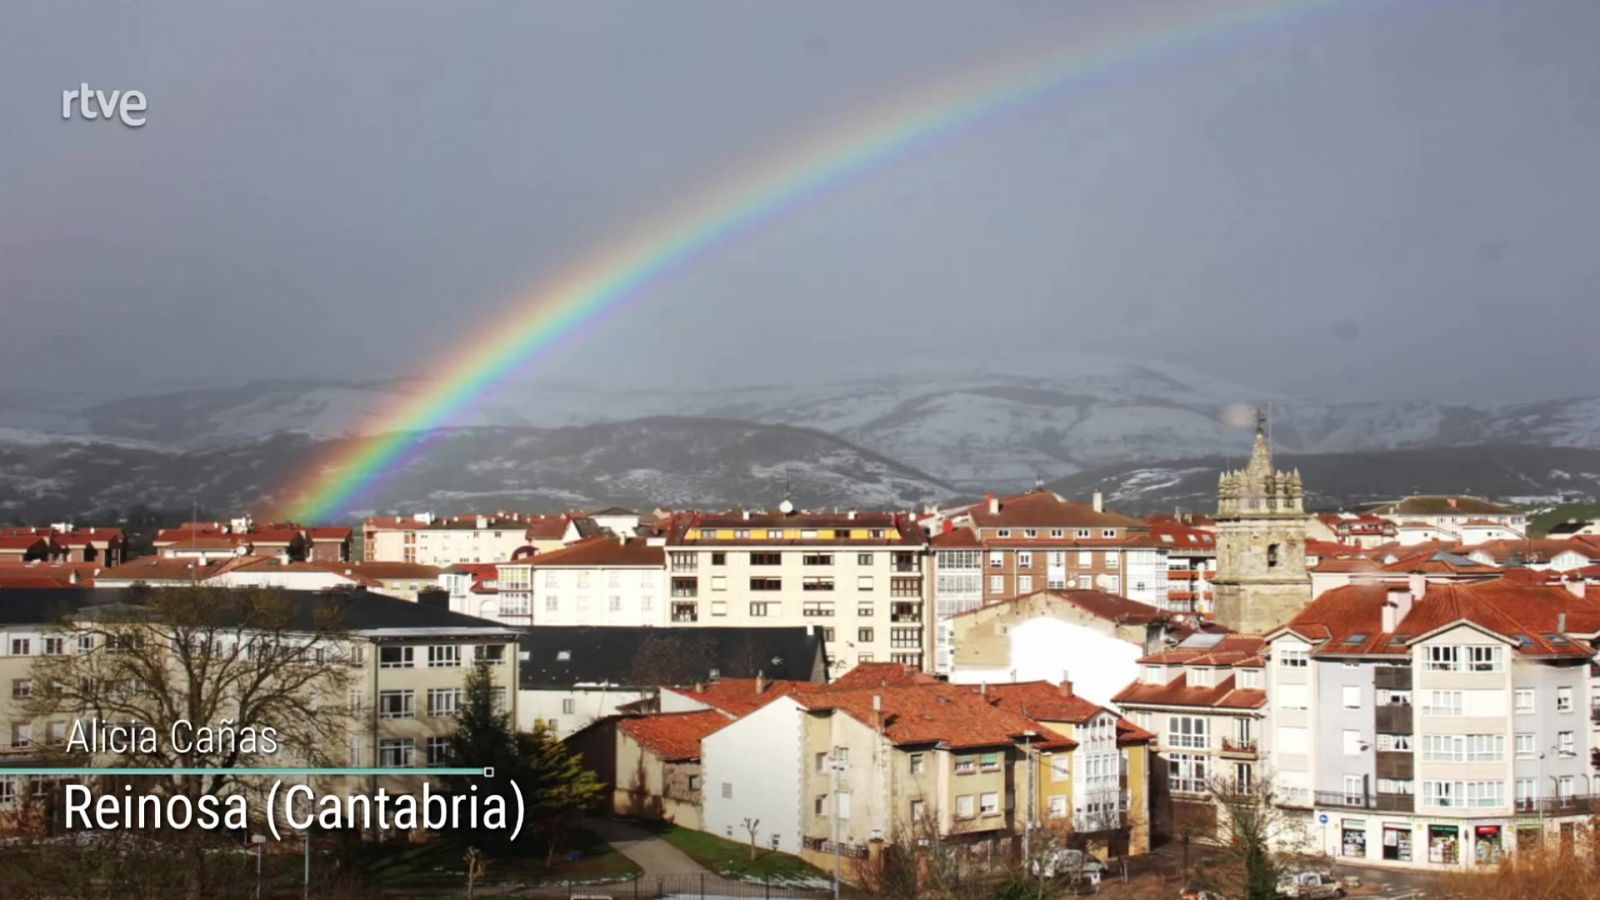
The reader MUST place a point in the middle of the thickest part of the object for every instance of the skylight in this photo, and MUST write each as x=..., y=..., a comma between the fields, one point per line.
x=1356, y=638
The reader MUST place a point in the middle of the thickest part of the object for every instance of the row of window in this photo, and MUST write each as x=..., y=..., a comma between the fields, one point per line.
x=400, y=753
x=402, y=704
x=1055, y=532
x=690, y=562
x=439, y=656
x=689, y=585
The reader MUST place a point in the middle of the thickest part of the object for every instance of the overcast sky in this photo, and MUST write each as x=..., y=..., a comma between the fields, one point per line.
x=1373, y=199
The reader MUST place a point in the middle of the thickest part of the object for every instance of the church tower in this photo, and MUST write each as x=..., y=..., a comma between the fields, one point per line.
x=1261, y=543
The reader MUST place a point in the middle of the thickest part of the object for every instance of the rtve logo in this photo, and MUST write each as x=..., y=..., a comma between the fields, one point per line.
x=98, y=105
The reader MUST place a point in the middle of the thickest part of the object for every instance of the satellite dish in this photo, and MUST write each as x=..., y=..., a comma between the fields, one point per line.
x=786, y=507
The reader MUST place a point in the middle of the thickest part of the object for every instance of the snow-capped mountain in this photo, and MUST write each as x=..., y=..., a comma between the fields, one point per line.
x=975, y=427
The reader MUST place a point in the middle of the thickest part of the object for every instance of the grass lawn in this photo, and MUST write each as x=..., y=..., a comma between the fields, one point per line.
x=732, y=858
x=1540, y=525
x=442, y=862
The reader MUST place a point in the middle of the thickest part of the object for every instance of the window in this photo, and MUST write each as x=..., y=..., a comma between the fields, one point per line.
x=816, y=583
x=989, y=762
x=1060, y=767
x=615, y=604
x=1563, y=699
x=997, y=584
x=85, y=643
x=1355, y=790
x=438, y=751
x=684, y=562
x=762, y=610
x=489, y=654
x=1085, y=558
x=989, y=804
x=1353, y=744
x=444, y=656
x=1526, y=744
x=1187, y=773
x=1566, y=745
x=1443, y=659
x=8, y=790
x=552, y=603
x=443, y=701
x=1002, y=532
x=56, y=733
x=766, y=559
x=1187, y=731
x=688, y=586
x=817, y=559
x=1293, y=658
x=397, y=704
x=395, y=753
x=1058, y=807
x=395, y=657
x=55, y=646
x=727, y=790
x=21, y=688
x=1024, y=584
x=497, y=699
x=1351, y=696
x=966, y=807
x=21, y=646
x=1024, y=559
x=21, y=734
x=719, y=582
x=760, y=583
x=1443, y=703
x=1522, y=701
x=1490, y=658
x=918, y=763
x=918, y=810
x=864, y=635
x=966, y=765
x=997, y=559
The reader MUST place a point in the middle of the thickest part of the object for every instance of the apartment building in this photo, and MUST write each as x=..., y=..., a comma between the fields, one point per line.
x=606, y=579
x=63, y=542
x=898, y=763
x=1008, y=547
x=407, y=664
x=1436, y=724
x=1445, y=515
x=242, y=536
x=857, y=576
x=1205, y=703
x=1191, y=555
x=446, y=540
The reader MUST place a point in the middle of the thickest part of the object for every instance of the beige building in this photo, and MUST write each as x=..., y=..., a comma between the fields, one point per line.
x=857, y=576
x=1261, y=579
x=406, y=665
x=651, y=764
x=1092, y=638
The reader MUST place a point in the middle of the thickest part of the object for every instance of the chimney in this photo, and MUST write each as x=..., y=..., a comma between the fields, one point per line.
x=851, y=515
x=1454, y=502
x=1401, y=600
x=699, y=687
x=1389, y=618
x=983, y=688
x=761, y=681
x=1066, y=687
x=1098, y=501
x=1561, y=622
x=994, y=503
x=1576, y=588
x=1418, y=585
x=877, y=712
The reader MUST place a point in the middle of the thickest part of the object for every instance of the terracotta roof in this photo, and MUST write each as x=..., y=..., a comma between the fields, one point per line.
x=84, y=536
x=1230, y=650
x=738, y=696
x=1349, y=620
x=11, y=578
x=1530, y=549
x=956, y=539
x=895, y=529
x=674, y=736
x=1177, y=692
x=603, y=550
x=1347, y=564
x=1440, y=562
x=171, y=568
x=955, y=716
x=881, y=674
x=1043, y=701
x=546, y=528
x=1175, y=535
x=1045, y=509
x=1330, y=549
x=384, y=570
x=22, y=542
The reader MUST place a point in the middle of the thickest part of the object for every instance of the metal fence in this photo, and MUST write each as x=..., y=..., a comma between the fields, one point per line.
x=661, y=887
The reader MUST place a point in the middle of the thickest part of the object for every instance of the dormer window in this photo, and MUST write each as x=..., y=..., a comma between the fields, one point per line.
x=1154, y=675
x=1030, y=532
x=1003, y=532
x=1201, y=678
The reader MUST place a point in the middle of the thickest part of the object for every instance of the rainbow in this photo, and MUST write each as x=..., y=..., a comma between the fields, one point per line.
x=599, y=284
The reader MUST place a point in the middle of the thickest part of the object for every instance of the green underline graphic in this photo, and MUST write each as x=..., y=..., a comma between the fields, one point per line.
x=256, y=770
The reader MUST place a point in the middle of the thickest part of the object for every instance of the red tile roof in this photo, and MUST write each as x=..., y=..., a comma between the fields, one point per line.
x=1043, y=701
x=1045, y=509
x=880, y=674
x=955, y=716
x=1111, y=607
x=738, y=696
x=1349, y=620
x=24, y=542
x=675, y=737
x=602, y=550
x=1177, y=692
x=1437, y=505
x=1231, y=650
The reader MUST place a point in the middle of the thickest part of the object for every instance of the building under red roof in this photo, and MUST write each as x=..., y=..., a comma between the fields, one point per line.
x=674, y=737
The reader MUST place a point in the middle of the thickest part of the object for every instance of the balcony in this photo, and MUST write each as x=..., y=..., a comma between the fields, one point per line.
x=685, y=612
x=1394, y=718
x=1392, y=678
x=905, y=568
x=1373, y=802
x=1245, y=749
x=1570, y=805
x=1182, y=574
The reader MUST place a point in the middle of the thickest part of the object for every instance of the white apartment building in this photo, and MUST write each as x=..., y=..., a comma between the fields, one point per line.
x=447, y=540
x=602, y=580
x=857, y=576
x=1426, y=724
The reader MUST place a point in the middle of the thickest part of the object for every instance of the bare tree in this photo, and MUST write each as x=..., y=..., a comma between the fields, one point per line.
x=263, y=671
x=751, y=826
x=1567, y=870
x=1256, y=839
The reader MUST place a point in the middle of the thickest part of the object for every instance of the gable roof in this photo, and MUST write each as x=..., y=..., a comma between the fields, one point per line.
x=1044, y=701
x=881, y=674
x=1225, y=694
x=1442, y=505
x=1047, y=509
x=602, y=550
x=741, y=696
x=1111, y=607
x=675, y=737
x=949, y=715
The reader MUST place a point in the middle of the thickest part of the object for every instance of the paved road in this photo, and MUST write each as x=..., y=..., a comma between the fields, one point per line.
x=654, y=855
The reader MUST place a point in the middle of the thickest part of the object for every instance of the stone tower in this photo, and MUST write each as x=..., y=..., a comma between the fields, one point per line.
x=1261, y=543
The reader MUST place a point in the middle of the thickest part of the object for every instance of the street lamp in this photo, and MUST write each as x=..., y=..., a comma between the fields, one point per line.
x=835, y=767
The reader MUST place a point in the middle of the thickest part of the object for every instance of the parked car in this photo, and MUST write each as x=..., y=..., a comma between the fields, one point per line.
x=1310, y=886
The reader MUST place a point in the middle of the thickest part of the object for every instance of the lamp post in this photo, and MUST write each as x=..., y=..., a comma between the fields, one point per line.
x=835, y=766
